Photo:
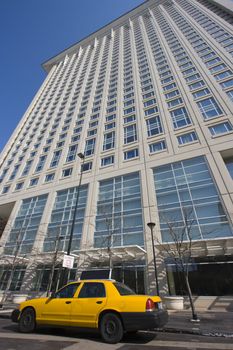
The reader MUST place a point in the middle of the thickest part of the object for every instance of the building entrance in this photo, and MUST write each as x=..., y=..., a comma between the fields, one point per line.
x=208, y=276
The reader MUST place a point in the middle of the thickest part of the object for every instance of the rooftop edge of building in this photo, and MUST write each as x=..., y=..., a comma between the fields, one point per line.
x=48, y=64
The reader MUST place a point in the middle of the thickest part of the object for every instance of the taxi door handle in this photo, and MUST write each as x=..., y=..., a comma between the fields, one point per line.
x=68, y=302
x=99, y=302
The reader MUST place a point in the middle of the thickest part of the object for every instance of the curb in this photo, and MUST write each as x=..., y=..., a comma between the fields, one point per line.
x=6, y=313
x=6, y=316
x=195, y=332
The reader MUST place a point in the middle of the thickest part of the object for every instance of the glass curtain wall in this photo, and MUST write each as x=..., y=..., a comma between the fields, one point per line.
x=26, y=226
x=61, y=219
x=187, y=188
x=119, y=212
x=43, y=275
x=16, y=280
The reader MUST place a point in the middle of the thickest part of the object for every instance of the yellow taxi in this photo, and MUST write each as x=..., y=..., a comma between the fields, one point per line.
x=106, y=305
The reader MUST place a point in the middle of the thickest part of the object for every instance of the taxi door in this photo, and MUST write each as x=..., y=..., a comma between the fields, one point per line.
x=89, y=303
x=56, y=310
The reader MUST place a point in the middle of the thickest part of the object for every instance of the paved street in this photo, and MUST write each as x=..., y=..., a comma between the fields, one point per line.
x=60, y=339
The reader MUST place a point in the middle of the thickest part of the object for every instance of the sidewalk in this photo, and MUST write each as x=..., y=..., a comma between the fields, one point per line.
x=212, y=322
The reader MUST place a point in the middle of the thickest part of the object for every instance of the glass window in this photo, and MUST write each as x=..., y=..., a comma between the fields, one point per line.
x=41, y=163
x=110, y=126
x=209, y=108
x=34, y=181
x=119, y=212
x=169, y=87
x=67, y=291
x=92, y=132
x=129, y=119
x=55, y=159
x=189, y=71
x=189, y=184
x=149, y=102
x=213, y=61
x=46, y=149
x=201, y=93
x=67, y=172
x=180, y=118
x=223, y=75
x=133, y=153
x=229, y=165
x=75, y=138
x=109, y=140
x=107, y=161
x=227, y=84
x=148, y=95
x=62, y=216
x=5, y=189
x=154, y=126
x=110, y=117
x=172, y=94
x=230, y=94
x=220, y=128
x=86, y=166
x=90, y=147
x=175, y=102
x=123, y=289
x=187, y=138
x=25, y=226
x=49, y=177
x=130, y=133
x=129, y=110
x=72, y=152
x=27, y=168
x=193, y=77
x=157, y=146
x=19, y=186
x=218, y=68
x=92, y=290
x=151, y=111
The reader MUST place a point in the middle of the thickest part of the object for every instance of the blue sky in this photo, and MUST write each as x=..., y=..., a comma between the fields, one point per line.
x=32, y=31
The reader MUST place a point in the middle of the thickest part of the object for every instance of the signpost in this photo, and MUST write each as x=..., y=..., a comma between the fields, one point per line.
x=68, y=261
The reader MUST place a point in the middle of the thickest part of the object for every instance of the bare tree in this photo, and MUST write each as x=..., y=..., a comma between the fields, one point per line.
x=59, y=237
x=107, y=213
x=13, y=261
x=179, y=245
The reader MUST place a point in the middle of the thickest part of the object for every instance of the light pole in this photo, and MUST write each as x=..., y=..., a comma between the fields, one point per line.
x=81, y=156
x=151, y=225
x=57, y=243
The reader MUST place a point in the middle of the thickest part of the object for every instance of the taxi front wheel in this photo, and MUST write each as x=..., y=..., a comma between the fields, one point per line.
x=27, y=321
x=111, y=328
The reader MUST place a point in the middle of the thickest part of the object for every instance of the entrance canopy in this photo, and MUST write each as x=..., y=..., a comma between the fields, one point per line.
x=117, y=254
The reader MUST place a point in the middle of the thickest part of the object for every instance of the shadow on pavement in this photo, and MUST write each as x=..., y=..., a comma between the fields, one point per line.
x=136, y=337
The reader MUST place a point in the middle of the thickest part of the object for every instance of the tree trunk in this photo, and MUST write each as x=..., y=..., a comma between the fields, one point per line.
x=194, y=315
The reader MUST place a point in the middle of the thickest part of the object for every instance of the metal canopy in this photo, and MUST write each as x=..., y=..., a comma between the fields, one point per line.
x=133, y=252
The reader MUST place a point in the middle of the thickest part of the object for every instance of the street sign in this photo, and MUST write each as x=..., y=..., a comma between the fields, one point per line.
x=68, y=261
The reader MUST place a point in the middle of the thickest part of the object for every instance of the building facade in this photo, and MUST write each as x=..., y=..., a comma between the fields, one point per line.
x=148, y=101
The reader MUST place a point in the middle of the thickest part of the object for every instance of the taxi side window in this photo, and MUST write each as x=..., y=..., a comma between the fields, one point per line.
x=92, y=290
x=68, y=291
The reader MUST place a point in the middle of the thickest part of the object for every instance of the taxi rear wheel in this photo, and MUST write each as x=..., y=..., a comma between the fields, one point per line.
x=111, y=328
x=27, y=321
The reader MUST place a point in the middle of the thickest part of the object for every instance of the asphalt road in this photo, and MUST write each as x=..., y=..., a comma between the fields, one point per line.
x=58, y=339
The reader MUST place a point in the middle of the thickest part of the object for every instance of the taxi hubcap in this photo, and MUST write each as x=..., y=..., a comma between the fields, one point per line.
x=27, y=320
x=111, y=327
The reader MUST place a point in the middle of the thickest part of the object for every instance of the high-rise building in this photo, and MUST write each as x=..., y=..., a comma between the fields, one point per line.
x=147, y=100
